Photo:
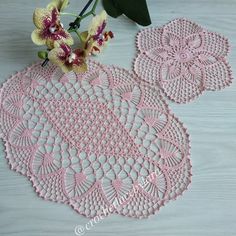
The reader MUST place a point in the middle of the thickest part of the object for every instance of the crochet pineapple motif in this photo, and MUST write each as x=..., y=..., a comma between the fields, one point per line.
x=183, y=59
x=95, y=140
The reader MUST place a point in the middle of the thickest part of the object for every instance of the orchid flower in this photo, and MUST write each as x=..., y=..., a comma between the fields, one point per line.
x=97, y=37
x=67, y=59
x=49, y=28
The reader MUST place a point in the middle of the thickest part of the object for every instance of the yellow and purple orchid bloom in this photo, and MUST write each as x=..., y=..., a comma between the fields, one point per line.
x=68, y=59
x=49, y=28
x=97, y=37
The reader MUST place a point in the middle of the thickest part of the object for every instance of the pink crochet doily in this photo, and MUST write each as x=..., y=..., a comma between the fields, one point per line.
x=183, y=59
x=99, y=141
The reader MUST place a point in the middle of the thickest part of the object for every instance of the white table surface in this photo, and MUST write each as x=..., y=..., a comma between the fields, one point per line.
x=208, y=208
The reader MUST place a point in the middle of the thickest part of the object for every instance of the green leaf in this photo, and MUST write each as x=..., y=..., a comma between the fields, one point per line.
x=136, y=10
x=43, y=54
x=112, y=8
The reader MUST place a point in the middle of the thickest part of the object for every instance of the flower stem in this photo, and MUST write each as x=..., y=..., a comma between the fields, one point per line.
x=68, y=14
x=45, y=62
x=76, y=24
x=94, y=7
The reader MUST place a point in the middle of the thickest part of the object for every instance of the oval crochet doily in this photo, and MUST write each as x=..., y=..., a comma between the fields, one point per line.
x=94, y=141
x=183, y=59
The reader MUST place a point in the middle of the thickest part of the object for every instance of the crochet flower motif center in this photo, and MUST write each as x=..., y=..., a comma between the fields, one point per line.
x=183, y=59
x=94, y=141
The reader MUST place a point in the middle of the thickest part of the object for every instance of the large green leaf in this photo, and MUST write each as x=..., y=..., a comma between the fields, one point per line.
x=136, y=10
x=112, y=8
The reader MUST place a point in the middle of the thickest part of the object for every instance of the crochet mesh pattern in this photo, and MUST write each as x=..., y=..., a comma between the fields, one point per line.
x=183, y=59
x=94, y=141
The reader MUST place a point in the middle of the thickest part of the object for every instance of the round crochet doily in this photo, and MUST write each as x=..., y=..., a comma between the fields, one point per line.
x=183, y=59
x=99, y=141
